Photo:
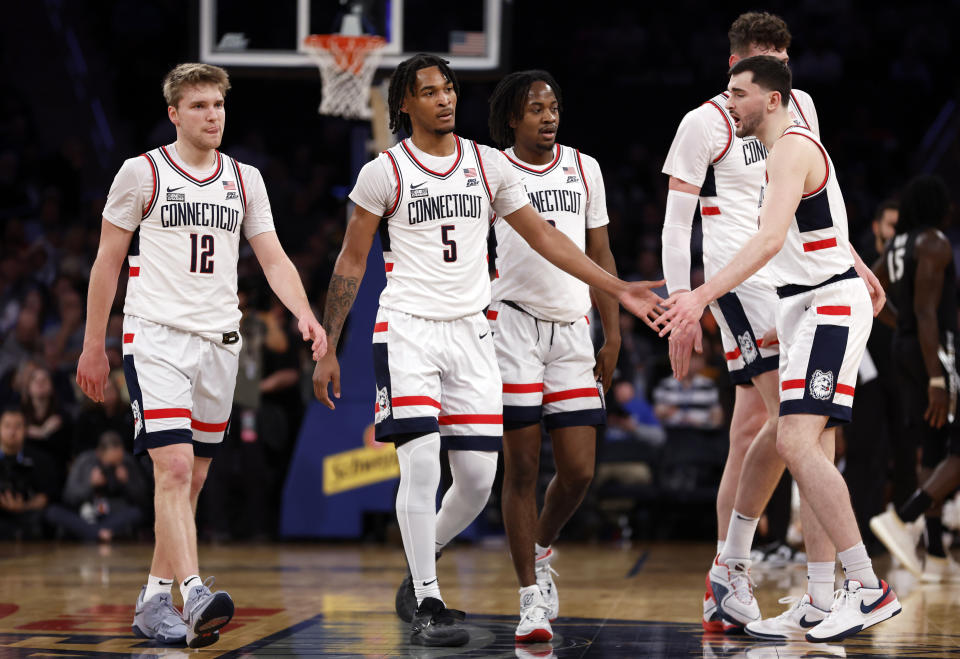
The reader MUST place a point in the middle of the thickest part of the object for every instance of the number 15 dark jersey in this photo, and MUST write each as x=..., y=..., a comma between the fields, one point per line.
x=901, y=265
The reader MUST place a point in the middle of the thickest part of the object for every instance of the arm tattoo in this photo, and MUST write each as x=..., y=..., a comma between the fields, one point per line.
x=340, y=298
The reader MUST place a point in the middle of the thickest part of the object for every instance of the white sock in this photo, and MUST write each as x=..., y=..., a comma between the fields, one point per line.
x=857, y=565
x=190, y=582
x=473, y=473
x=540, y=551
x=821, y=578
x=157, y=586
x=739, y=537
x=417, y=510
x=720, y=544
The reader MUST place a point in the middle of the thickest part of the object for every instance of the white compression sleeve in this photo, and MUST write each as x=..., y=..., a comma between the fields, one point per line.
x=677, y=227
x=473, y=473
x=417, y=503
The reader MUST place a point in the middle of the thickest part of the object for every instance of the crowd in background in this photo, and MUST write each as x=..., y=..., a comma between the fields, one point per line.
x=59, y=151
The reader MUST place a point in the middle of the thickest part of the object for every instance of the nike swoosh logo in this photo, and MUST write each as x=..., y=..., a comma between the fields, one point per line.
x=807, y=624
x=414, y=187
x=745, y=519
x=169, y=189
x=484, y=334
x=882, y=598
x=427, y=583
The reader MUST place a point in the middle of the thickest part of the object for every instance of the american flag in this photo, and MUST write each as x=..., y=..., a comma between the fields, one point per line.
x=229, y=185
x=468, y=43
x=569, y=171
x=469, y=172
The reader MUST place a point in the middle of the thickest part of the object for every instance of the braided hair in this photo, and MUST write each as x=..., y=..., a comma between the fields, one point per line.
x=509, y=100
x=404, y=80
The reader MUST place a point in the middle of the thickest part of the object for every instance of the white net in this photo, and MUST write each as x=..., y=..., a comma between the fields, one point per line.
x=347, y=65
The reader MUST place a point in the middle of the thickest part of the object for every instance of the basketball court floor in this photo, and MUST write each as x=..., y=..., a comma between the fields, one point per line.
x=312, y=600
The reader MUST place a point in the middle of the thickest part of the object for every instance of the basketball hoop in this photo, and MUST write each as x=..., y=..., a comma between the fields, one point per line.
x=347, y=64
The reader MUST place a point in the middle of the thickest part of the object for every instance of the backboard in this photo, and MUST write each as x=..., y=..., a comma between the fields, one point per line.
x=254, y=33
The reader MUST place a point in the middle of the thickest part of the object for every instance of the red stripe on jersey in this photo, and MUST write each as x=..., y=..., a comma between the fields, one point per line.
x=396, y=173
x=819, y=244
x=457, y=419
x=483, y=173
x=792, y=384
x=534, y=170
x=456, y=161
x=209, y=427
x=180, y=169
x=826, y=162
x=135, y=271
x=243, y=188
x=587, y=392
x=796, y=104
x=380, y=327
x=153, y=190
x=583, y=176
x=492, y=315
x=530, y=388
x=733, y=354
x=167, y=413
x=586, y=318
x=729, y=131
x=845, y=389
x=709, y=210
x=128, y=338
x=496, y=275
x=834, y=311
x=388, y=267
x=402, y=401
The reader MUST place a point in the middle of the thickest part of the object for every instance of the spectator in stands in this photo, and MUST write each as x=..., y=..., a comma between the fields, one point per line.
x=104, y=495
x=48, y=425
x=692, y=402
x=26, y=480
x=95, y=419
x=630, y=417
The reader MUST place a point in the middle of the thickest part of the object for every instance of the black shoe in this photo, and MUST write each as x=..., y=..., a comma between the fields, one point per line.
x=436, y=625
x=406, y=600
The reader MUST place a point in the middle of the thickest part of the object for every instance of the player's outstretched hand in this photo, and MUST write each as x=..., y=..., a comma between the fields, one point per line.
x=682, y=343
x=326, y=371
x=93, y=368
x=640, y=300
x=684, y=308
x=312, y=331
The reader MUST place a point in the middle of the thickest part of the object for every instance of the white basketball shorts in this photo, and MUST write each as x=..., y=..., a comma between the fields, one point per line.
x=744, y=316
x=437, y=376
x=823, y=332
x=181, y=385
x=547, y=370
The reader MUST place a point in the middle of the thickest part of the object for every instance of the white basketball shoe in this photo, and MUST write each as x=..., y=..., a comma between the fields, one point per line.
x=732, y=589
x=791, y=625
x=534, y=624
x=855, y=608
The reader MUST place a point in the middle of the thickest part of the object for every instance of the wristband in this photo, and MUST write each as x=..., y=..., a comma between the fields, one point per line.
x=939, y=382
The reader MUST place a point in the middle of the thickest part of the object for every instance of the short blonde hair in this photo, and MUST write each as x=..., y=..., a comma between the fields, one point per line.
x=192, y=73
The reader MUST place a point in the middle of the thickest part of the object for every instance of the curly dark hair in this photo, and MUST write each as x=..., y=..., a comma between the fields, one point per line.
x=404, y=80
x=509, y=100
x=924, y=202
x=758, y=27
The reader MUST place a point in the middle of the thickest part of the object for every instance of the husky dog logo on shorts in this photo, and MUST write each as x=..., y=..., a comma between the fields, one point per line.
x=137, y=418
x=747, y=347
x=821, y=384
x=383, y=405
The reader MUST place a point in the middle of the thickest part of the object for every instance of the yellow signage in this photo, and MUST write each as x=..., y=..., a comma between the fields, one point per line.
x=359, y=467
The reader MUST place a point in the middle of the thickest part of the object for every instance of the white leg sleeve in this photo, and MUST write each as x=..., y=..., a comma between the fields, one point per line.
x=417, y=503
x=473, y=473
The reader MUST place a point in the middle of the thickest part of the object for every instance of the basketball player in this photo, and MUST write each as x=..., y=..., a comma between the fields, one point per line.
x=823, y=320
x=709, y=163
x=178, y=212
x=919, y=274
x=542, y=337
x=438, y=384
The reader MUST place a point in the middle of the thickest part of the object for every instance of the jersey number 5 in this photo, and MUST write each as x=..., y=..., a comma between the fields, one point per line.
x=450, y=253
x=205, y=253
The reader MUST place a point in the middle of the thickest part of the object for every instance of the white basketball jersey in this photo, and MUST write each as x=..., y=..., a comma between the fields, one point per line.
x=730, y=188
x=817, y=245
x=560, y=193
x=183, y=256
x=434, y=236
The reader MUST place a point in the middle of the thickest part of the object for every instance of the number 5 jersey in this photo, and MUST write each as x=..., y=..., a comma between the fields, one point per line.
x=186, y=224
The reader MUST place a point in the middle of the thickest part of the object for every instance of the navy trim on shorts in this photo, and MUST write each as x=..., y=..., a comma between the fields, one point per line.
x=826, y=355
x=391, y=425
x=761, y=365
x=736, y=319
x=795, y=289
x=161, y=438
x=471, y=442
x=206, y=449
x=592, y=417
x=521, y=416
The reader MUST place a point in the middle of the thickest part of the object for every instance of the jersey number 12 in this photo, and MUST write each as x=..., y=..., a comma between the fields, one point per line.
x=205, y=253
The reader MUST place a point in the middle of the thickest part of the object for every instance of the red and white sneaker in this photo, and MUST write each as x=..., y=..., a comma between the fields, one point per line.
x=711, y=613
x=732, y=588
x=534, y=624
x=855, y=608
